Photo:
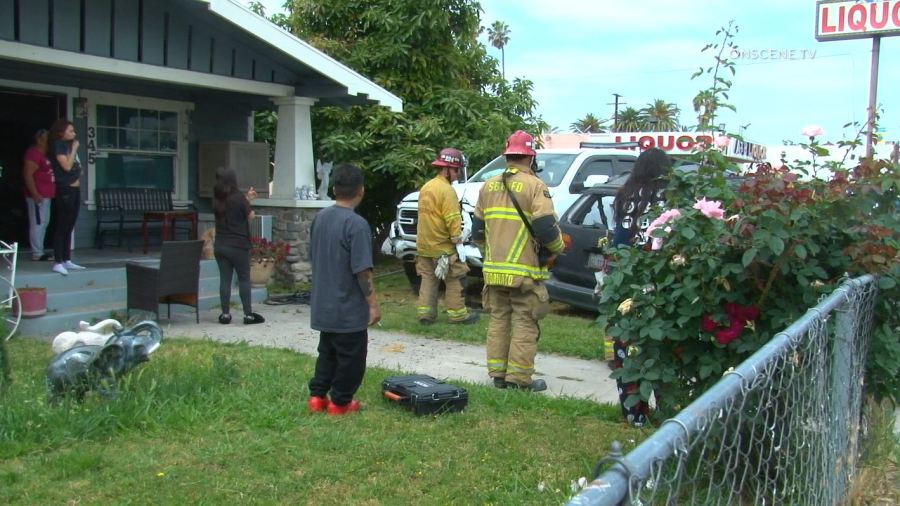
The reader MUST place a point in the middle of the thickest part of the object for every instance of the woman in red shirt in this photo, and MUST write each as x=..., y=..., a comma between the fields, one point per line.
x=40, y=188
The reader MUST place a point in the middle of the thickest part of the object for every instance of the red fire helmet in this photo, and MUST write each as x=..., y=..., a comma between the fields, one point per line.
x=449, y=157
x=520, y=143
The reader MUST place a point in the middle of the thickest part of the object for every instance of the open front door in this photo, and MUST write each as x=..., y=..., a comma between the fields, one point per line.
x=22, y=113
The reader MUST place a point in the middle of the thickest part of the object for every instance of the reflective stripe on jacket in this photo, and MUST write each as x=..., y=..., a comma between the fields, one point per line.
x=439, y=220
x=510, y=253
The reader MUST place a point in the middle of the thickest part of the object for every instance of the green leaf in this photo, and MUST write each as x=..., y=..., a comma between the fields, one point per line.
x=748, y=257
x=646, y=390
x=776, y=244
x=705, y=371
x=800, y=250
x=886, y=283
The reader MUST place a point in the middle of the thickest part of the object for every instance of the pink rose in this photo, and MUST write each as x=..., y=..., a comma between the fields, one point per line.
x=812, y=131
x=722, y=141
x=710, y=208
x=671, y=214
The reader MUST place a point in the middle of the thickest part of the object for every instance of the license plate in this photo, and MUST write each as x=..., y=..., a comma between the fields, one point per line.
x=595, y=261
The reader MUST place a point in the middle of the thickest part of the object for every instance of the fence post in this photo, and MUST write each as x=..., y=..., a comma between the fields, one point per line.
x=841, y=386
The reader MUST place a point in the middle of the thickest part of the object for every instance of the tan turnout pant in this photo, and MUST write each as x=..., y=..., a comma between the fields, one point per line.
x=426, y=305
x=513, y=330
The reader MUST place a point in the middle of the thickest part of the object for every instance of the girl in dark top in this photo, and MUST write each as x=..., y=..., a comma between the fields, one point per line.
x=644, y=188
x=67, y=173
x=232, y=246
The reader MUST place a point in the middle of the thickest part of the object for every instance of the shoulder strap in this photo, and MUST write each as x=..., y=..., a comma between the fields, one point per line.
x=517, y=206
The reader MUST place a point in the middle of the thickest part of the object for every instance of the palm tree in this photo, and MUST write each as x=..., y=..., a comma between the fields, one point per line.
x=705, y=107
x=662, y=115
x=589, y=124
x=498, y=35
x=630, y=120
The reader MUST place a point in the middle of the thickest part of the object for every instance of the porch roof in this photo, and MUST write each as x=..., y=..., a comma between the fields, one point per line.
x=304, y=56
x=201, y=46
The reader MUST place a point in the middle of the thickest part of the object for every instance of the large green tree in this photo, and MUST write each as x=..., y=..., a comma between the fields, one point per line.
x=427, y=52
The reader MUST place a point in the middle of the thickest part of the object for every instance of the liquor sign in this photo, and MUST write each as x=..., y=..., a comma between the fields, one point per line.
x=855, y=19
x=686, y=143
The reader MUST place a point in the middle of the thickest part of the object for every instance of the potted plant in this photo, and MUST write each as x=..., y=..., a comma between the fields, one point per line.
x=264, y=256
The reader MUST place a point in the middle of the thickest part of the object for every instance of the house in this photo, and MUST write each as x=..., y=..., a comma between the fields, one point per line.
x=148, y=84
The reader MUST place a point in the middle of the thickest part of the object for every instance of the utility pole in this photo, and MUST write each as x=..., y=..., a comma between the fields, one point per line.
x=616, y=111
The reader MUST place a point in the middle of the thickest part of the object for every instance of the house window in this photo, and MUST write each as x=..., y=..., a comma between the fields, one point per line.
x=137, y=148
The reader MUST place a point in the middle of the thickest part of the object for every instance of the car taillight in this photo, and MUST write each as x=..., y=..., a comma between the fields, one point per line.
x=567, y=242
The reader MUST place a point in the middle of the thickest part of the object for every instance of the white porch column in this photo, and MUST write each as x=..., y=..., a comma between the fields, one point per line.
x=294, y=164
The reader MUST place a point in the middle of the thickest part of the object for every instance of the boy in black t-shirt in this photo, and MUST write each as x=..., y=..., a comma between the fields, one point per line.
x=343, y=302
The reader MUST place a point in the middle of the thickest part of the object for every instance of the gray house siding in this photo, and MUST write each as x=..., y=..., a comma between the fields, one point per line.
x=214, y=120
x=169, y=33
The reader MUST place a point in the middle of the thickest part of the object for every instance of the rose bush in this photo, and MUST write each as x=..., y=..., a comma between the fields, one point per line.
x=716, y=289
x=262, y=249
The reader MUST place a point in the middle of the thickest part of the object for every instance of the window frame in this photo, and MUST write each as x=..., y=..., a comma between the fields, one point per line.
x=181, y=160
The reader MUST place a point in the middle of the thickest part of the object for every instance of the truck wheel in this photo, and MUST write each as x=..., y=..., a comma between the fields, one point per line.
x=415, y=281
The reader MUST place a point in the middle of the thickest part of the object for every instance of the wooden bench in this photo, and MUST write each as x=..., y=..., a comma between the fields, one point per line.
x=123, y=209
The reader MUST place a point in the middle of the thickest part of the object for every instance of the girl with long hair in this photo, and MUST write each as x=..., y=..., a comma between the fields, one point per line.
x=232, y=245
x=644, y=188
x=67, y=175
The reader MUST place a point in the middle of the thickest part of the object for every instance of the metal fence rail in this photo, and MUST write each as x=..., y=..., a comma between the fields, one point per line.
x=781, y=428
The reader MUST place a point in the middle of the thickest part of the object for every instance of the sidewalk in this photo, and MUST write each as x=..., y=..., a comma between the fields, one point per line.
x=288, y=327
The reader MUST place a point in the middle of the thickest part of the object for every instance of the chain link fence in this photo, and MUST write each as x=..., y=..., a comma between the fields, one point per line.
x=781, y=428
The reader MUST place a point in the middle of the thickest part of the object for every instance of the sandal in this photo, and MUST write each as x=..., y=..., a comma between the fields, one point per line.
x=224, y=319
x=253, y=318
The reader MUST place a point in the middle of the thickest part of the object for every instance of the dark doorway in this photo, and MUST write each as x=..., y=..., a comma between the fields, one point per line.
x=22, y=113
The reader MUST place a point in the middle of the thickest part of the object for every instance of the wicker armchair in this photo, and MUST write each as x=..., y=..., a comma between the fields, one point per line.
x=175, y=281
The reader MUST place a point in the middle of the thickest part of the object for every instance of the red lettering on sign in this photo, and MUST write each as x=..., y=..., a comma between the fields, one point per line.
x=826, y=28
x=895, y=15
x=646, y=142
x=857, y=18
x=684, y=143
x=841, y=18
x=873, y=15
x=665, y=143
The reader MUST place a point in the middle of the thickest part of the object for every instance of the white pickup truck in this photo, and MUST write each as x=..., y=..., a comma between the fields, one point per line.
x=566, y=171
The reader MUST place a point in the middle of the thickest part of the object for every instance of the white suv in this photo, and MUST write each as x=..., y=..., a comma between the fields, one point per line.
x=565, y=171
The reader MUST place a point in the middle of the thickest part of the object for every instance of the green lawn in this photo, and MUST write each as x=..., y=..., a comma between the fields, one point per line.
x=211, y=423
x=565, y=331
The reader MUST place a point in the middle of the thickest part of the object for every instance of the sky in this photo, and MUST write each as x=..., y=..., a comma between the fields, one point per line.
x=579, y=52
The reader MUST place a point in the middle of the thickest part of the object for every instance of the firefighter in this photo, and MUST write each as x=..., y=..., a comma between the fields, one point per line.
x=515, y=218
x=438, y=232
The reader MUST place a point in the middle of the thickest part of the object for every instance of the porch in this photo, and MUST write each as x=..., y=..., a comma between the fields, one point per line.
x=98, y=292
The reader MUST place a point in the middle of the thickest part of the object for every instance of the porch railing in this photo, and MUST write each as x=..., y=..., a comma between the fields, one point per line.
x=781, y=428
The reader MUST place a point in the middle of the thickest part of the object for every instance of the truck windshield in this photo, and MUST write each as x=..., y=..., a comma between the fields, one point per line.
x=553, y=167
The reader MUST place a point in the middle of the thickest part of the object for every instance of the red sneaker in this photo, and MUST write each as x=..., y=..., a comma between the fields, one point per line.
x=318, y=404
x=350, y=407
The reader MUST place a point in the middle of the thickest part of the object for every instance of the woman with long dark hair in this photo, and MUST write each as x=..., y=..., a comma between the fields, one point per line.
x=67, y=174
x=39, y=192
x=232, y=246
x=644, y=188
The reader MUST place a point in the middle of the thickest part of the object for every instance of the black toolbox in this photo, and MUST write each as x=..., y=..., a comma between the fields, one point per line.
x=424, y=395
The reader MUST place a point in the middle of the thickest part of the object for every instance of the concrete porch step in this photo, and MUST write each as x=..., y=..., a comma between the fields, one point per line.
x=58, y=320
x=99, y=292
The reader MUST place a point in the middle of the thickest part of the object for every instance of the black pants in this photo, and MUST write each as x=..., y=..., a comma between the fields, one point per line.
x=340, y=366
x=638, y=414
x=233, y=260
x=65, y=207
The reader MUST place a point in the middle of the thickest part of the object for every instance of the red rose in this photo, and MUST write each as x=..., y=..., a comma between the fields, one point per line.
x=707, y=324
